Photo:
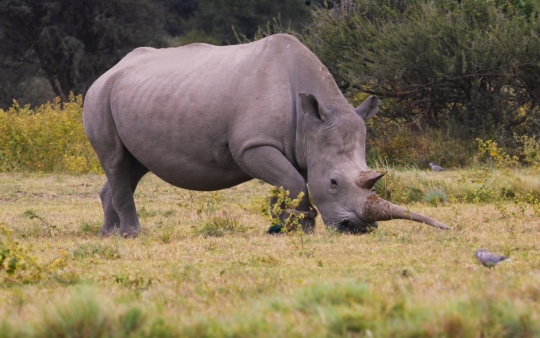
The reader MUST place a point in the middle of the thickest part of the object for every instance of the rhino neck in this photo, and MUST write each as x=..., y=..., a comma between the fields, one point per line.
x=313, y=139
x=301, y=141
x=311, y=77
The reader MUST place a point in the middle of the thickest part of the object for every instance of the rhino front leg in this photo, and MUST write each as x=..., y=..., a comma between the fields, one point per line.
x=308, y=222
x=270, y=165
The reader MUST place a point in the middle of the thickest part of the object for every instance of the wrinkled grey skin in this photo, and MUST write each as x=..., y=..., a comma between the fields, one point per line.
x=205, y=118
x=489, y=259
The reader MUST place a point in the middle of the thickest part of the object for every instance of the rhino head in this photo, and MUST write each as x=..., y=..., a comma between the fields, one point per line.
x=340, y=183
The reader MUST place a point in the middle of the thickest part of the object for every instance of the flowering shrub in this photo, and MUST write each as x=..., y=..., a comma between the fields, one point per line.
x=489, y=149
x=19, y=265
x=48, y=138
x=527, y=153
x=409, y=144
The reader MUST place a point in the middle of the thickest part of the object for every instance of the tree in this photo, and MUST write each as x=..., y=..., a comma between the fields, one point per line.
x=214, y=19
x=71, y=43
x=472, y=62
x=178, y=12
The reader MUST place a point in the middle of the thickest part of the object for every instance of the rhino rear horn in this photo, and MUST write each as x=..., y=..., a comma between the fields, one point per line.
x=367, y=179
x=369, y=107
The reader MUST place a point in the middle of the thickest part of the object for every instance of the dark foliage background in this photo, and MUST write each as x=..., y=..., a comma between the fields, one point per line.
x=69, y=43
x=472, y=64
x=52, y=47
x=212, y=20
x=447, y=71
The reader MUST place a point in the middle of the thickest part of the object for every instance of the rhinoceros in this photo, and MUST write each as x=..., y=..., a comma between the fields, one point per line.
x=205, y=118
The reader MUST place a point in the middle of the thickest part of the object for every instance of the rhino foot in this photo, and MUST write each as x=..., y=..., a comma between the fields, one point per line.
x=348, y=227
x=308, y=225
x=107, y=230
x=275, y=230
x=130, y=232
x=105, y=233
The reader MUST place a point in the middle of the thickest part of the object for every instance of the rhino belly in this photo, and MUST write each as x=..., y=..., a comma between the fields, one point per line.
x=194, y=176
x=185, y=169
x=186, y=152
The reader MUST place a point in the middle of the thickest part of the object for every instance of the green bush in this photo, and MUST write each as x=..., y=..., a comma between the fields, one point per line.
x=471, y=62
x=526, y=152
x=408, y=144
x=48, y=138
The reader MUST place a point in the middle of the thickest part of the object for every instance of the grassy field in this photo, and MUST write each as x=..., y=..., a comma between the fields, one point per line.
x=204, y=267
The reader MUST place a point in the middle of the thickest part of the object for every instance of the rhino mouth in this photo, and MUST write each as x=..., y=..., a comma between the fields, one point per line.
x=354, y=226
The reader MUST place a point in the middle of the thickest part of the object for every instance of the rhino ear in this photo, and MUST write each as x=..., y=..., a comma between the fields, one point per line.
x=369, y=107
x=316, y=111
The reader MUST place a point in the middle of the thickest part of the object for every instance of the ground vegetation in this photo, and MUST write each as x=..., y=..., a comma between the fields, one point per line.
x=182, y=278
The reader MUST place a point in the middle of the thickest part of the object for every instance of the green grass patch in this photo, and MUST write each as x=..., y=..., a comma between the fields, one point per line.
x=476, y=185
x=435, y=196
x=178, y=279
x=98, y=250
x=90, y=228
x=220, y=224
x=329, y=309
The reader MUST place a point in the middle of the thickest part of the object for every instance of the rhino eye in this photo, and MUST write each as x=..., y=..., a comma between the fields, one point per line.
x=333, y=182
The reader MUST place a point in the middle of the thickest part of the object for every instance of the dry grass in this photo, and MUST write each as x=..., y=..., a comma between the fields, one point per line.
x=178, y=279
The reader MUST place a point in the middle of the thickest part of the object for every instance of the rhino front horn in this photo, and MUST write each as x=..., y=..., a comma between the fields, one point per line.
x=376, y=209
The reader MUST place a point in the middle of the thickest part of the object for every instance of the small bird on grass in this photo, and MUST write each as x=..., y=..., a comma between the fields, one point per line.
x=308, y=2
x=489, y=259
x=436, y=167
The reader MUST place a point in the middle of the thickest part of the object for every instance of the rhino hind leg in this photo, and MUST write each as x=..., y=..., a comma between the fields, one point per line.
x=112, y=220
x=123, y=174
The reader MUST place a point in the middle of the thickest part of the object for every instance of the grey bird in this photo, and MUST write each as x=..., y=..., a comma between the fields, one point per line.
x=489, y=259
x=436, y=167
